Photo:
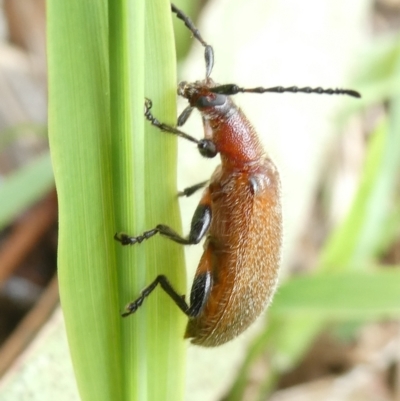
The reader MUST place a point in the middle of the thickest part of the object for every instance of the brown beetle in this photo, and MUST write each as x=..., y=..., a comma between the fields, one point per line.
x=239, y=213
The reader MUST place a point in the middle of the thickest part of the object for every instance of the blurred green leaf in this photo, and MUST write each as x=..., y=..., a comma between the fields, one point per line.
x=7, y=136
x=348, y=295
x=378, y=73
x=24, y=187
x=344, y=247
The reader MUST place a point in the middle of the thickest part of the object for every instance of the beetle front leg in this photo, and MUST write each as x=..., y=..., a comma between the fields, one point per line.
x=206, y=147
x=148, y=104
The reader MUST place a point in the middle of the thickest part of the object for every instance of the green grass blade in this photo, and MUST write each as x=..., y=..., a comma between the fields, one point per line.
x=166, y=324
x=114, y=172
x=145, y=193
x=127, y=144
x=79, y=133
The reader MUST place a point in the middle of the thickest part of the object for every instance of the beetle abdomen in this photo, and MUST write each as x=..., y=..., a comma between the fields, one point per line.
x=243, y=252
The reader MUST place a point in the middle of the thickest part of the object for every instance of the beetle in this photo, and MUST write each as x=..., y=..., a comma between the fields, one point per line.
x=239, y=213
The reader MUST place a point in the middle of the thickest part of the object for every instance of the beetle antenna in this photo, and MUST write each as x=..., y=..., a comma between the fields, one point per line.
x=232, y=89
x=208, y=50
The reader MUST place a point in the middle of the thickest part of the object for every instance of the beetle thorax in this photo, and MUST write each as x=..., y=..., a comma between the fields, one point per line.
x=224, y=123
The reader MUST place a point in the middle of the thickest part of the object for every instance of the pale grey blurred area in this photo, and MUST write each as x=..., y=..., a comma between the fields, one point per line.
x=44, y=371
x=23, y=79
x=23, y=70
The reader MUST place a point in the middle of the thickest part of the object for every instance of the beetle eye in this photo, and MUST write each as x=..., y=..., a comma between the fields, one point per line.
x=210, y=101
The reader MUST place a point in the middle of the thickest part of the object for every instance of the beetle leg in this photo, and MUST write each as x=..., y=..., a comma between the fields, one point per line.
x=167, y=287
x=125, y=239
x=192, y=189
x=200, y=292
x=200, y=224
x=205, y=146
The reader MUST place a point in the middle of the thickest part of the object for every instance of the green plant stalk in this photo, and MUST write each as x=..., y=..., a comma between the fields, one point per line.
x=113, y=173
x=79, y=131
x=146, y=178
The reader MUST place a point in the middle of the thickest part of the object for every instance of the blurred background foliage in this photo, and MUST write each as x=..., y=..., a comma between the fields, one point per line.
x=335, y=319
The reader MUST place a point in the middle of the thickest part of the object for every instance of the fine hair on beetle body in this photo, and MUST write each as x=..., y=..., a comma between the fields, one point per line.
x=239, y=214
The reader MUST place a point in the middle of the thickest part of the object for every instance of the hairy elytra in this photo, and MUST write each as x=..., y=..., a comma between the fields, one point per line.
x=239, y=213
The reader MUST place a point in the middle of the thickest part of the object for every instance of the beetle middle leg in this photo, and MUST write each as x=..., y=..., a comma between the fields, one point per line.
x=162, y=229
x=200, y=224
x=192, y=189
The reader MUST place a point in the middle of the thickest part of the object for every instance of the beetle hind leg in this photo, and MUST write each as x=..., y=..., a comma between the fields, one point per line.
x=179, y=300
